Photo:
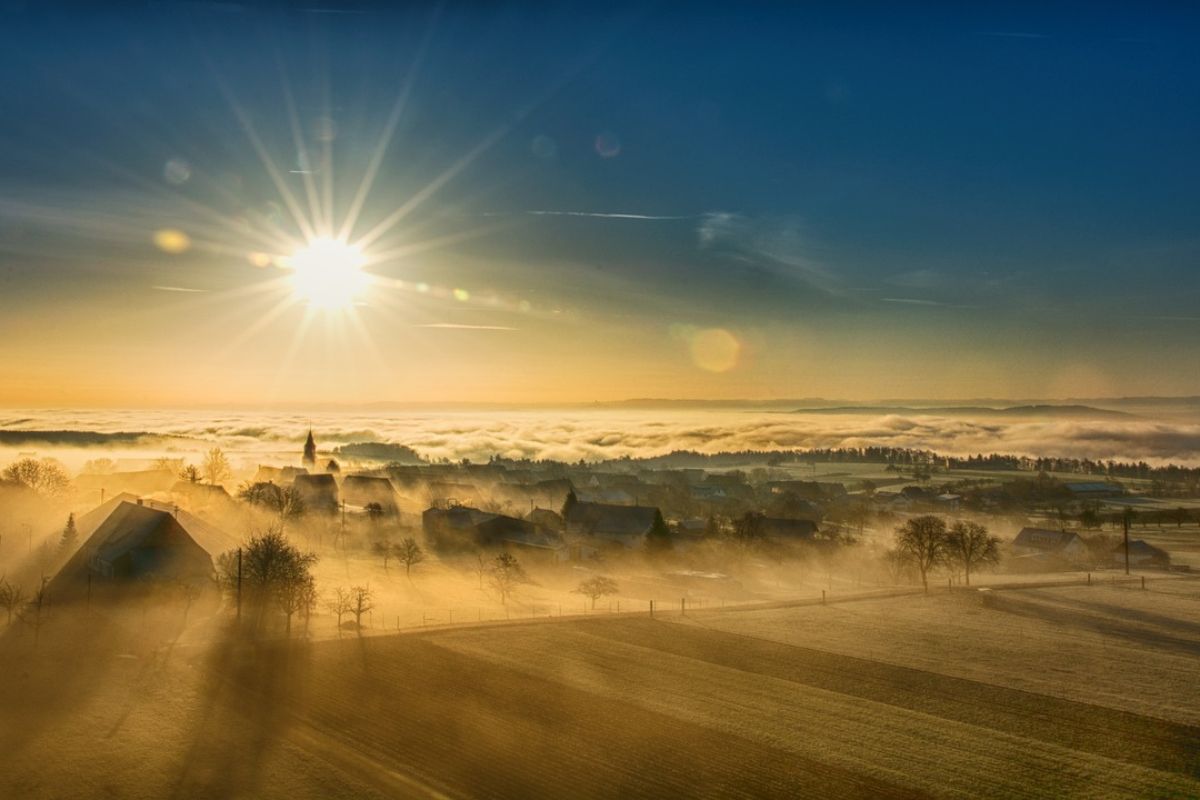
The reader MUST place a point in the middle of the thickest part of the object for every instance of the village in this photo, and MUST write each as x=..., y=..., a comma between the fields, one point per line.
x=503, y=538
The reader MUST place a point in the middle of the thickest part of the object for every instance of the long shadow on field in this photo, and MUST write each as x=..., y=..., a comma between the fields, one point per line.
x=1114, y=734
x=1135, y=630
x=475, y=728
x=249, y=690
x=42, y=684
x=1122, y=612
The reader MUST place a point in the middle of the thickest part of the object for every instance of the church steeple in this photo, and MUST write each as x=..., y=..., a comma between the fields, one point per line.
x=310, y=451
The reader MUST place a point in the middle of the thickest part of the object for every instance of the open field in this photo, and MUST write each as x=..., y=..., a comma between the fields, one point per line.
x=1065, y=691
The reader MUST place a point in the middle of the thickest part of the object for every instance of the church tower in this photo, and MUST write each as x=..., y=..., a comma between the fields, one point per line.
x=310, y=452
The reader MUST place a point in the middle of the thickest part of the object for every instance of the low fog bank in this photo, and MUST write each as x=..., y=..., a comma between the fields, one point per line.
x=74, y=437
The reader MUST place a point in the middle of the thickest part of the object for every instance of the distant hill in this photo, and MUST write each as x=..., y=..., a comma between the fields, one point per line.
x=1058, y=411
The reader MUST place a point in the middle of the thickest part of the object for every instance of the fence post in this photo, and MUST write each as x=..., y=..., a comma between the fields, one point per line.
x=1143, y=581
x=683, y=608
x=652, y=609
x=822, y=597
x=1089, y=583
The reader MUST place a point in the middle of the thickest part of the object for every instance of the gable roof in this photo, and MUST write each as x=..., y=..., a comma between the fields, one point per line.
x=1142, y=548
x=213, y=539
x=602, y=519
x=1045, y=539
x=321, y=481
x=130, y=526
x=789, y=528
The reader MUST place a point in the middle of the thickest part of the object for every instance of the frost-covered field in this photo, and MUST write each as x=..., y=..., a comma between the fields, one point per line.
x=1057, y=692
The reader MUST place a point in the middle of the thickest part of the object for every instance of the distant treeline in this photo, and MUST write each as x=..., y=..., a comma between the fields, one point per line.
x=905, y=457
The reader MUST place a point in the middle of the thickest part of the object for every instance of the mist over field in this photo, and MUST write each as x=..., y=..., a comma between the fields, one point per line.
x=599, y=401
x=1166, y=432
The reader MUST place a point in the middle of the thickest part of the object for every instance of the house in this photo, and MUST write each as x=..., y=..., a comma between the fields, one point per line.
x=626, y=526
x=465, y=528
x=612, y=495
x=201, y=495
x=1094, y=490
x=318, y=492
x=1044, y=543
x=812, y=491
x=1141, y=554
x=277, y=475
x=135, y=542
x=693, y=527
x=546, y=518
x=949, y=500
x=141, y=481
x=789, y=530
x=451, y=493
x=362, y=490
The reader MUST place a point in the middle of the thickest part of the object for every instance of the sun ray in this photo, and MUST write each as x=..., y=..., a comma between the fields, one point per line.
x=413, y=248
x=289, y=199
x=389, y=129
x=310, y=187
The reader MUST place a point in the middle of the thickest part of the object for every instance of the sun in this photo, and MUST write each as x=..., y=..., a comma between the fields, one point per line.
x=327, y=274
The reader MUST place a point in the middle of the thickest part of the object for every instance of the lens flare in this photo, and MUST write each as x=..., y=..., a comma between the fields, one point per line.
x=715, y=349
x=172, y=241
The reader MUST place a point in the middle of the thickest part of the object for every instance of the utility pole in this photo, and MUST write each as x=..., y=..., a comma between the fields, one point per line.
x=1125, y=520
x=239, y=586
x=342, y=535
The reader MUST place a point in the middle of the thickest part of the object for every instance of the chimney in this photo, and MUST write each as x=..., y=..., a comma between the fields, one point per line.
x=139, y=501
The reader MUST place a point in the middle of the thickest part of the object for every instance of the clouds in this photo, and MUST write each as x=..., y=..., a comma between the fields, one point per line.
x=777, y=246
x=602, y=434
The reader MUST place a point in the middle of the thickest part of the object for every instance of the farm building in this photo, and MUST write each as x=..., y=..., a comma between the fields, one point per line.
x=547, y=518
x=1051, y=545
x=1094, y=490
x=623, y=525
x=789, y=530
x=281, y=476
x=141, y=481
x=132, y=541
x=319, y=492
x=1142, y=554
x=465, y=528
x=362, y=490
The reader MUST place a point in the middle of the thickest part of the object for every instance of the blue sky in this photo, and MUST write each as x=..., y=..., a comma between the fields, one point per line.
x=849, y=184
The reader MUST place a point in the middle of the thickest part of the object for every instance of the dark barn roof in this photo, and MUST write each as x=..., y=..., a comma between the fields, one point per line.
x=136, y=541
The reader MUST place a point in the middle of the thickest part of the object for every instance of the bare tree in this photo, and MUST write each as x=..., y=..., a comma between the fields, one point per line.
x=383, y=549
x=922, y=541
x=190, y=473
x=308, y=601
x=360, y=603
x=339, y=605
x=11, y=598
x=287, y=503
x=292, y=594
x=506, y=574
x=480, y=568
x=596, y=587
x=969, y=546
x=216, y=466
x=34, y=612
x=409, y=553
x=45, y=476
x=272, y=567
x=168, y=464
x=894, y=562
x=99, y=466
